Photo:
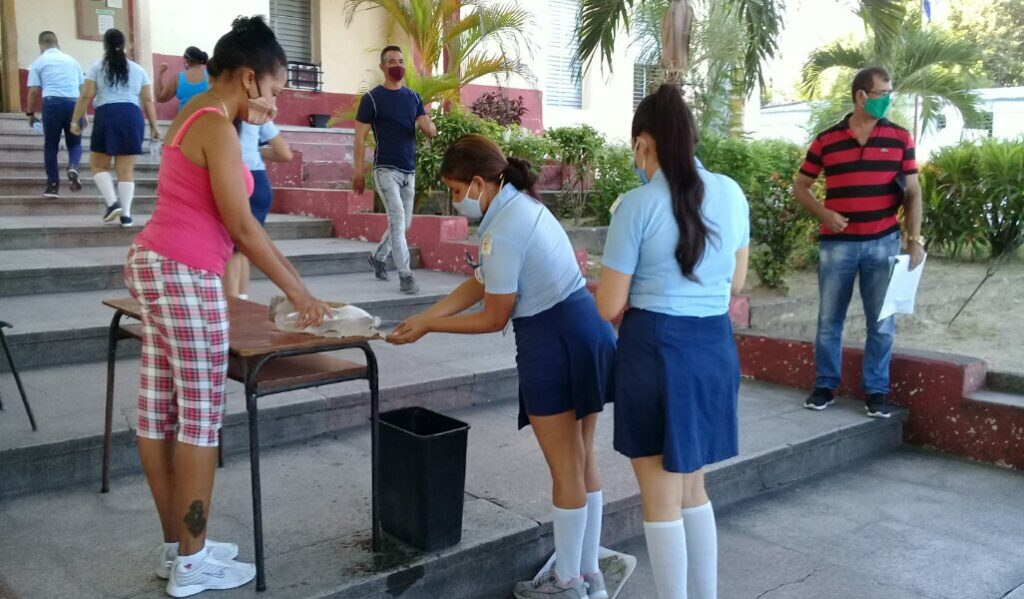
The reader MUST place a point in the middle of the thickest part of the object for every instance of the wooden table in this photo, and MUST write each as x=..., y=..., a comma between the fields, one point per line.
x=266, y=361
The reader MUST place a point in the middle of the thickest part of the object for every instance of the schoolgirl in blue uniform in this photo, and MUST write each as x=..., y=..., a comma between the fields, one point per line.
x=529, y=274
x=676, y=252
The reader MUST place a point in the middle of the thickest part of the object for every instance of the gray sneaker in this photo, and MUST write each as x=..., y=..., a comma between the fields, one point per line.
x=380, y=268
x=407, y=285
x=546, y=586
x=595, y=586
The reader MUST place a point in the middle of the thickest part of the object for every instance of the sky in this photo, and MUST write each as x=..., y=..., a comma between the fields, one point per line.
x=809, y=24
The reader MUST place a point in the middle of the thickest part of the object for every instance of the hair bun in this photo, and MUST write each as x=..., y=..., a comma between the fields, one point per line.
x=520, y=173
x=254, y=25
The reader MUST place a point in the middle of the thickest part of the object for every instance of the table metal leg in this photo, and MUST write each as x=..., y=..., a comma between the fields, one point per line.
x=371, y=374
x=254, y=465
x=220, y=447
x=17, y=379
x=108, y=424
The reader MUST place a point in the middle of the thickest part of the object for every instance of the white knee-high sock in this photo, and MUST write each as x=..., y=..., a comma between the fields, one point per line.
x=592, y=537
x=666, y=545
x=570, y=526
x=125, y=194
x=702, y=551
x=105, y=183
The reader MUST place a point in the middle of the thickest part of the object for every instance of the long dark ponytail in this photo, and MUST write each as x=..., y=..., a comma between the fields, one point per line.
x=115, y=61
x=477, y=156
x=666, y=117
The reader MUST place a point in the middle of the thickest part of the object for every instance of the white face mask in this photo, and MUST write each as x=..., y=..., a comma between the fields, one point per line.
x=470, y=207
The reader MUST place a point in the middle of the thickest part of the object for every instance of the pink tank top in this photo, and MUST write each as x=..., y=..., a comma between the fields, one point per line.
x=186, y=226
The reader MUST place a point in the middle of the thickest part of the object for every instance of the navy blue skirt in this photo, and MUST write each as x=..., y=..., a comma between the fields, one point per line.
x=676, y=389
x=118, y=129
x=262, y=196
x=565, y=357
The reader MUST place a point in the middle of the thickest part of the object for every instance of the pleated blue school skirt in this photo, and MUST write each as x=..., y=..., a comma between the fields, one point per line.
x=565, y=357
x=118, y=129
x=676, y=389
x=262, y=196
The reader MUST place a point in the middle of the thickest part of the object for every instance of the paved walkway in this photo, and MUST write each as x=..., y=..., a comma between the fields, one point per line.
x=911, y=524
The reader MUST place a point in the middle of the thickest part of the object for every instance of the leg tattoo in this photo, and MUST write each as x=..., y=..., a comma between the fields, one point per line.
x=195, y=519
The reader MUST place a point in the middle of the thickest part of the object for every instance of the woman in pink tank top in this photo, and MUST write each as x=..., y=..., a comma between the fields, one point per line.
x=174, y=269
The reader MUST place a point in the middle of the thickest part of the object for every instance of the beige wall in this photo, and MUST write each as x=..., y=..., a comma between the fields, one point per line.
x=178, y=24
x=349, y=55
x=58, y=16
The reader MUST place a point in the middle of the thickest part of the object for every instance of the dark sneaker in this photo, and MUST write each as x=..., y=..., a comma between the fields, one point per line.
x=113, y=213
x=878, y=406
x=819, y=399
x=380, y=268
x=407, y=285
x=126, y=221
x=76, y=183
x=52, y=190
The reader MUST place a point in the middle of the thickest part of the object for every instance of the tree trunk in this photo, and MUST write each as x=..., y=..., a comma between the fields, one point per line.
x=737, y=102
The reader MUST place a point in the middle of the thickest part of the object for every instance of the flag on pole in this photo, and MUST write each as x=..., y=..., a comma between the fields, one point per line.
x=927, y=10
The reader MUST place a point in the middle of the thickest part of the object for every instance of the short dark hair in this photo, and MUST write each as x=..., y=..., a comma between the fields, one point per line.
x=251, y=43
x=865, y=80
x=47, y=38
x=387, y=49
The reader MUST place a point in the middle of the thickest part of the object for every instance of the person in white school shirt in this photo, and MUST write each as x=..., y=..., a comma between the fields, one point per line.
x=528, y=273
x=58, y=78
x=120, y=90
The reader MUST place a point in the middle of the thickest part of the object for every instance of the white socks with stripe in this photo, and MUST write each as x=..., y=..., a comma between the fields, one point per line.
x=592, y=536
x=105, y=183
x=702, y=550
x=570, y=527
x=666, y=546
x=125, y=193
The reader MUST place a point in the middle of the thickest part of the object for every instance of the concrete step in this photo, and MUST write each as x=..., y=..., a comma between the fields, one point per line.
x=35, y=168
x=316, y=495
x=40, y=271
x=18, y=149
x=68, y=328
x=85, y=202
x=28, y=232
x=21, y=185
x=997, y=398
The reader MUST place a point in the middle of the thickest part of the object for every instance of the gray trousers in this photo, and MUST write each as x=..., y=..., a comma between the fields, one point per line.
x=397, y=191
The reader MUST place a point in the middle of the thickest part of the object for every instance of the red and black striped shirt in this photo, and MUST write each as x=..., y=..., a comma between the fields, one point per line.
x=860, y=181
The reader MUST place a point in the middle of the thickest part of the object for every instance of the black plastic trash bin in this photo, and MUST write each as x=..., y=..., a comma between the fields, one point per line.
x=422, y=477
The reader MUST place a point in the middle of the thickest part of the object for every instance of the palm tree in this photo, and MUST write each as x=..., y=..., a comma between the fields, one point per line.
x=465, y=39
x=931, y=64
x=601, y=20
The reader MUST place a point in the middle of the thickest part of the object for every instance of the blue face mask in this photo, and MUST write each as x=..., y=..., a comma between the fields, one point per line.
x=470, y=207
x=641, y=170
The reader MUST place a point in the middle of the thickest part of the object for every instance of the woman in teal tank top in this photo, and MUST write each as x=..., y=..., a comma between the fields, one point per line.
x=191, y=82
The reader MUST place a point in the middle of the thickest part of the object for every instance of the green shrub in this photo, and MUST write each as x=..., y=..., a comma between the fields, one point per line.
x=521, y=143
x=781, y=230
x=974, y=199
x=614, y=175
x=430, y=152
x=577, y=148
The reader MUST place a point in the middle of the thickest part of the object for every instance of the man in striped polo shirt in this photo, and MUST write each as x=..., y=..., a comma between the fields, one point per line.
x=870, y=172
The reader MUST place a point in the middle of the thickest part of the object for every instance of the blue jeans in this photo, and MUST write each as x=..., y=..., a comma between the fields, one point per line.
x=397, y=191
x=57, y=113
x=840, y=263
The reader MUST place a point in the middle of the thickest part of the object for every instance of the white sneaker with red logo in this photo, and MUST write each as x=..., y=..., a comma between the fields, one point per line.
x=167, y=552
x=194, y=574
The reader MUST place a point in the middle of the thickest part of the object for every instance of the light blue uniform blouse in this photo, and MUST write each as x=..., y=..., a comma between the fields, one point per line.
x=642, y=241
x=251, y=136
x=110, y=94
x=525, y=250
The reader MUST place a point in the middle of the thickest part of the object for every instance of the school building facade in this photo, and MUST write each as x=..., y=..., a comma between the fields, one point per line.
x=332, y=60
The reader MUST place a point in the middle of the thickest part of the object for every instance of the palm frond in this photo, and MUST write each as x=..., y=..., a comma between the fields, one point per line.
x=599, y=22
x=835, y=55
x=884, y=20
x=763, y=22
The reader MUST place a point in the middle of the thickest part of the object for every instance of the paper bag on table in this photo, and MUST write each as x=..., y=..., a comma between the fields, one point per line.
x=344, y=320
x=901, y=294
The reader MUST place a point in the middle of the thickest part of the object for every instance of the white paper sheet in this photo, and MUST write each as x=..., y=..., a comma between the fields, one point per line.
x=104, y=22
x=902, y=292
x=115, y=3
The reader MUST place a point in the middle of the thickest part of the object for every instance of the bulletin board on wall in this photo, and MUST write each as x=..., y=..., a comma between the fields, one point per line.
x=96, y=16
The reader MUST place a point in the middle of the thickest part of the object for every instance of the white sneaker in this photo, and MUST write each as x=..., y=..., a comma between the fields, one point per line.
x=165, y=555
x=190, y=576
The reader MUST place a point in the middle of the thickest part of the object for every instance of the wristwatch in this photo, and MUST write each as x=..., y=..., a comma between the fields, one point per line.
x=918, y=239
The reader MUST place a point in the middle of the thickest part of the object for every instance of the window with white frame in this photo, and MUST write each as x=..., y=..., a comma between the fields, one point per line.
x=563, y=85
x=643, y=74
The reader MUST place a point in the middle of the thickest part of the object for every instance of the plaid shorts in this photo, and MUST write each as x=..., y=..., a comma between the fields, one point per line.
x=184, y=348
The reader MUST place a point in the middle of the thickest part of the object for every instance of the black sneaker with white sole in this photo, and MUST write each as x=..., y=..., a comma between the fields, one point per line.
x=878, y=406
x=380, y=268
x=126, y=221
x=819, y=399
x=52, y=191
x=73, y=180
x=113, y=213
